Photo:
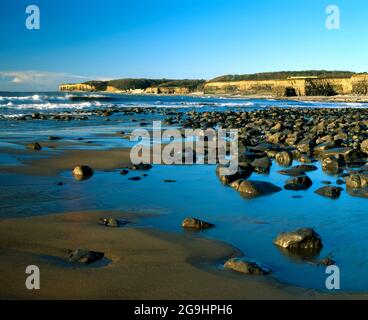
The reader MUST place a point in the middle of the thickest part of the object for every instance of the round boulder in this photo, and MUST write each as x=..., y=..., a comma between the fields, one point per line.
x=305, y=238
x=245, y=266
x=193, y=223
x=82, y=172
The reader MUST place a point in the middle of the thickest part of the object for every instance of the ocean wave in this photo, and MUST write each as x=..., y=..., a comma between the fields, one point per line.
x=52, y=106
x=34, y=97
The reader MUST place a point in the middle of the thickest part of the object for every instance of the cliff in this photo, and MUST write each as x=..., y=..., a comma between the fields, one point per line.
x=279, y=84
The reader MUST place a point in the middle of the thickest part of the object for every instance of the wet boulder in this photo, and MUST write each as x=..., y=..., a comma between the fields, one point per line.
x=284, y=158
x=306, y=146
x=357, y=181
x=333, y=164
x=298, y=183
x=141, y=166
x=226, y=177
x=84, y=256
x=262, y=165
x=252, y=189
x=364, y=146
x=110, y=222
x=246, y=266
x=305, y=238
x=350, y=155
x=193, y=223
x=82, y=172
x=329, y=192
x=34, y=146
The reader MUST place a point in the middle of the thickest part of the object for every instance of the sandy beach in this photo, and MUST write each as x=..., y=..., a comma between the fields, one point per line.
x=143, y=263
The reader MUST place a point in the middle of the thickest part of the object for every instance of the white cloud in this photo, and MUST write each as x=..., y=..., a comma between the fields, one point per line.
x=37, y=80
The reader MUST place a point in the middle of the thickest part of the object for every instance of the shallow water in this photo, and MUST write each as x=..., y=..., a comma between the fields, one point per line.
x=250, y=225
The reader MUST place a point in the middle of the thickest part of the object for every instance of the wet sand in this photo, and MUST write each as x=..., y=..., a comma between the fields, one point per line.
x=145, y=263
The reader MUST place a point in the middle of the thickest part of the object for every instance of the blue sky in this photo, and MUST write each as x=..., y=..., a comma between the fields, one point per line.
x=95, y=39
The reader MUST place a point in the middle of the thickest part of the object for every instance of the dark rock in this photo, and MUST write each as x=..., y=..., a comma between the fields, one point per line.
x=357, y=181
x=124, y=172
x=298, y=183
x=253, y=189
x=305, y=238
x=84, y=256
x=135, y=178
x=141, y=166
x=194, y=223
x=110, y=222
x=326, y=262
x=284, y=158
x=329, y=192
x=82, y=172
x=262, y=165
x=333, y=164
x=242, y=173
x=246, y=266
x=364, y=146
x=34, y=146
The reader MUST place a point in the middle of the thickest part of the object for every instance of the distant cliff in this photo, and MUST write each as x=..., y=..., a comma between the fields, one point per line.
x=278, y=84
x=149, y=86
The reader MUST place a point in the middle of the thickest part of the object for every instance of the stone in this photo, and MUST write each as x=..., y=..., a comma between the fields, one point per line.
x=364, y=146
x=306, y=146
x=246, y=266
x=350, y=155
x=242, y=172
x=305, y=238
x=298, y=183
x=329, y=192
x=82, y=172
x=34, y=146
x=135, y=178
x=262, y=165
x=357, y=181
x=84, y=256
x=110, y=222
x=333, y=164
x=284, y=158
x=141, y=166
x=193, y=223
x=124, y=172
x=253, y=189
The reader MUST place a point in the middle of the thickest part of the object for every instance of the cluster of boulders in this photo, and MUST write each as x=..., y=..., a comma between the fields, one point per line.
x=299, y=242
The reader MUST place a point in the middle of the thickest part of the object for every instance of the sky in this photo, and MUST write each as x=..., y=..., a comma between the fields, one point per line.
x=79, y=40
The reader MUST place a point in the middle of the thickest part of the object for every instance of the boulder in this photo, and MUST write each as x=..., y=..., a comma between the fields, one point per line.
x=242, y=172
x=306, y=167
x=262, y=165
x=110, y=222
x=350, y=155
x=357, y=181
x=82, y=172
x=34, y=146
x=305, y=238
x=306, y=146
x=193, y=223
x=84, y=256
x=245, y=266
x=284, y=158
x=329, y=192
x=253, y=189
x=333, y=164
x=292, y=172
x=298, y=183
x=141, y=166
x=364, y=146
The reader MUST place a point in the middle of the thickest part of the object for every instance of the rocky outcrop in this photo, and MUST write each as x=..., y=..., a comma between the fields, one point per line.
x=246, y=266
x=304, y=238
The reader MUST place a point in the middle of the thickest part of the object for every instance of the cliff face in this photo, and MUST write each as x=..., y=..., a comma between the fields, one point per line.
x=77, y=87
x=292, y=86
x=308, y=86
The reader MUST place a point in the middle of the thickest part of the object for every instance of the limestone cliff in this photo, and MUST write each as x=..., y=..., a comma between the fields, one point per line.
x=343, y=84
